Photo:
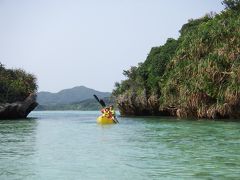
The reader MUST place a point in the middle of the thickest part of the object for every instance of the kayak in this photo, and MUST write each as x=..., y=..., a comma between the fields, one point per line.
x=104, y=120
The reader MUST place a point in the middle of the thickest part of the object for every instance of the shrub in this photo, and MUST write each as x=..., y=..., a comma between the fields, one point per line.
x=15, y=84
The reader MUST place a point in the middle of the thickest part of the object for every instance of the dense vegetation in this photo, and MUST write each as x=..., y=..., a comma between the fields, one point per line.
x=197, y=75
x=15, y=84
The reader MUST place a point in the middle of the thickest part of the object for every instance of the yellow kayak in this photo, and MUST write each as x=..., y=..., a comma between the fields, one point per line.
x=104, y=120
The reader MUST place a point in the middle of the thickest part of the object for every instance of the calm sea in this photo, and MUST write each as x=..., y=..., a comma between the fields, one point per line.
x=69, y=145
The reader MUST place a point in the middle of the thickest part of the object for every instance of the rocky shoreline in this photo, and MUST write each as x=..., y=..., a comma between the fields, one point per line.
x=132, y=104
x=18, y=110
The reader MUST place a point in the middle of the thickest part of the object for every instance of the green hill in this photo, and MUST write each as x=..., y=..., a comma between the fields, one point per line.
x=68, y=96
x=85, y=105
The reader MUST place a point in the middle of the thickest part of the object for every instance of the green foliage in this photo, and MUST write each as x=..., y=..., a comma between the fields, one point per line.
x=156, y=63
x=194, y=23
x=148, y=74
x=15, y=85
x=204, y=61
x=199, y=70
x=232, y=4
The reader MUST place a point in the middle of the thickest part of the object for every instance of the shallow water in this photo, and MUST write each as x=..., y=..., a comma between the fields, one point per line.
x=70, y=145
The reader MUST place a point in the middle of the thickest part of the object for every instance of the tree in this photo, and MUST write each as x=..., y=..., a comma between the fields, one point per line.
x=232, y=4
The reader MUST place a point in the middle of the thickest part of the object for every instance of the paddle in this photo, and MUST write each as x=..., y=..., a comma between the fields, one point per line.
x=103, y=105
x=100, y=101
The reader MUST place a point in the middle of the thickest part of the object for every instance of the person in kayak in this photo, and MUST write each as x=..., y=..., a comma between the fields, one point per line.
x=106, y=112
x=111, y=109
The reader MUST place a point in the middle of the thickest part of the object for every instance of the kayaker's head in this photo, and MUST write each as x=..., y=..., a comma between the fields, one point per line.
x=107, y=109
x=111, y=107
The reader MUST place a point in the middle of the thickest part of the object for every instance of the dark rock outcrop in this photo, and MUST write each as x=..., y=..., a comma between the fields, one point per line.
x=19, y=109
x=133, y=104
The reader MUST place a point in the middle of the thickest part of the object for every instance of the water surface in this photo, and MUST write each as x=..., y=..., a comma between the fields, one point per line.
x=70, y=145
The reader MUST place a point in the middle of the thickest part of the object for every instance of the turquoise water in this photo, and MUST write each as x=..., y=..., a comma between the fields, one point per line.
x=70, y=145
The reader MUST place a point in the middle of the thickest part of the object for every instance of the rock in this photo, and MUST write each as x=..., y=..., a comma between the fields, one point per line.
x=200, y=105
x=139, y=104
x=19, y=109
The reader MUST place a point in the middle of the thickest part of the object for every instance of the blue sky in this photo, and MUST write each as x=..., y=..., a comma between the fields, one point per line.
x=68, y=43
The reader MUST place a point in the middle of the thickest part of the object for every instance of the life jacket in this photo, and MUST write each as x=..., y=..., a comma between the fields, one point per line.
x=113, y=112
x=107, y=114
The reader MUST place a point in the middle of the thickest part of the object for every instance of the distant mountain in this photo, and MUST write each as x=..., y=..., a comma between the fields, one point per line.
x=69, y=96
x=85, y=105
